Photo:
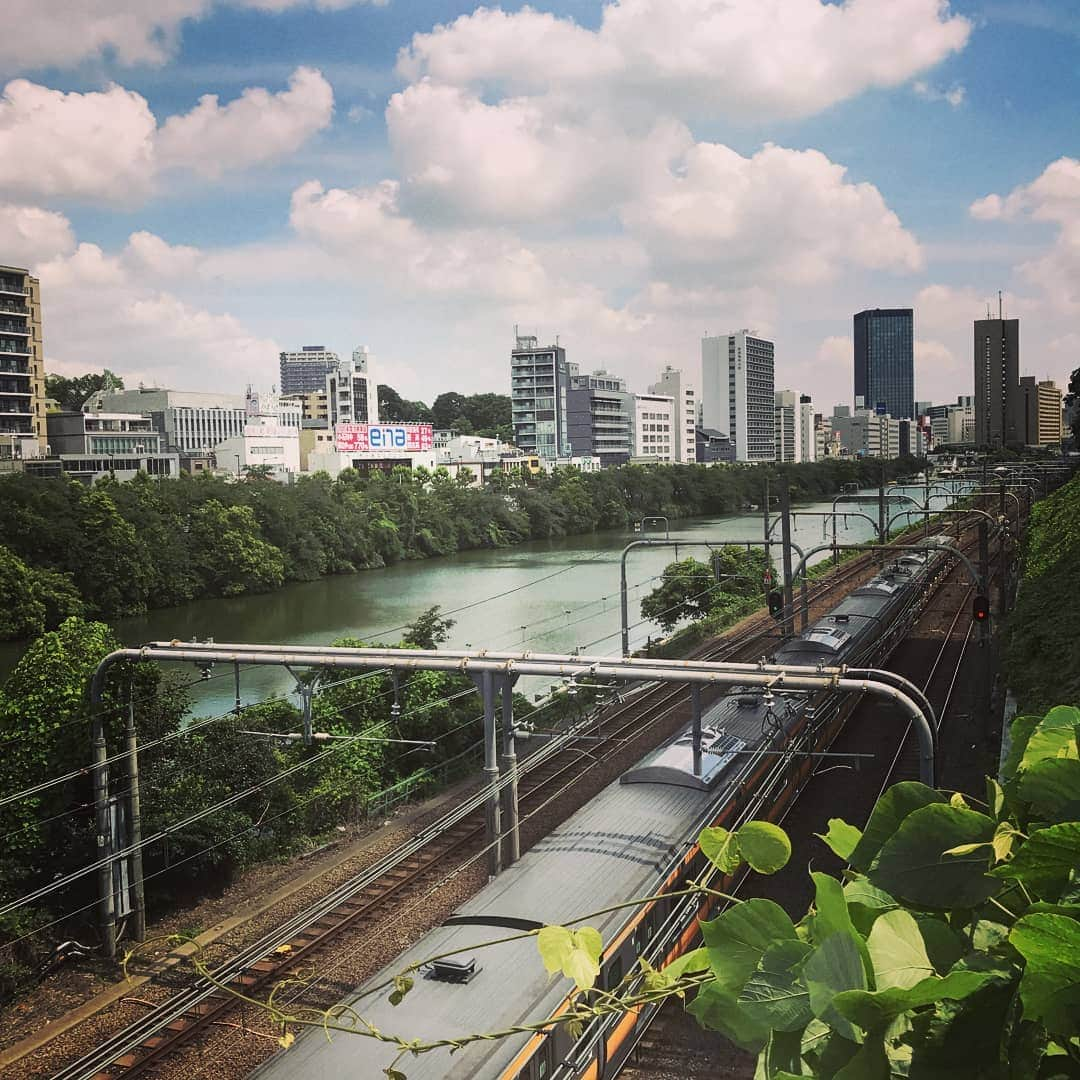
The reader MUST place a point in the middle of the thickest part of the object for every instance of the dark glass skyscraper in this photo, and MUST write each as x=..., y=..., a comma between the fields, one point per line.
x=885, y=362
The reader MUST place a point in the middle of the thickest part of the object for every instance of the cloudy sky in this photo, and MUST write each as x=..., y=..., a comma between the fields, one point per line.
x=200, y=184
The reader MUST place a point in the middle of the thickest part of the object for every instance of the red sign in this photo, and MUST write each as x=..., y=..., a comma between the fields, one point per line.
x=364, y=438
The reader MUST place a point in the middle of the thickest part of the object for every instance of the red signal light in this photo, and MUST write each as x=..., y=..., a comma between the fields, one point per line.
x=980, y=609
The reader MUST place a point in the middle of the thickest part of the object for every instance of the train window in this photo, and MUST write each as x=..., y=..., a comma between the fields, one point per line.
x=614, y=972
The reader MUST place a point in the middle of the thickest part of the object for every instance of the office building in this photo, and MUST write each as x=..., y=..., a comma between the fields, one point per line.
x=188, y=422
x=22, y=366
x=737, y=392
x=674, y=384
x=304, y=371
x=807, y=442
x=263, y=441
x=351, y=393
x=89, y=446
x=787, y=441
x=1040, y=412
x=997, y=382
x=539, y=384
x=655, y=427
x=885, y=362
x=953, y=425
x=313, y=405
x=600, y=418
x=714, y=447
x=863, y=433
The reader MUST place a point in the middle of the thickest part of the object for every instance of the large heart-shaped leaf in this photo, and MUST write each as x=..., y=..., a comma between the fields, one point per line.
x=1020, y=730
x=1054, y=736
x=737, y=939
x=774, y=995
x=1050, y=985
x=1046, y=860
x=913, y=864
x=898, y=952
x=888, y=814
x=875, y=1010
x=718, y=1010
x=721, y=848
x=576, y=953
x=1052, y=786
x=834, y=966
x=866, y=902
x=765, y=846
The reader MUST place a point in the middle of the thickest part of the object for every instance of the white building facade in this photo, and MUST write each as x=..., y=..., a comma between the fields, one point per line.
x=807, y=441
x=351, y=391
x=655, y=423
x=738, y=392
x=263, y=441
x=674, y=384
x=787, y=438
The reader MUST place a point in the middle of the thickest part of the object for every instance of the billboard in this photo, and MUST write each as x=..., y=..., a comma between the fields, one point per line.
x=364, y=438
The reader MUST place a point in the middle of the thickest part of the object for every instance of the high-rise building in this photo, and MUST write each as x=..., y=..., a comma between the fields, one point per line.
x=997, y=382
x=22, y=366
x=674, y=384
x=655, y=427
x=539, y=383
x=885, y=362
x=600, y=417
x=787, y=439
x=737, y=392
x=351, y=393
x=1040, y=412
x=807, y=441
x=305, y=371
x=953, y=425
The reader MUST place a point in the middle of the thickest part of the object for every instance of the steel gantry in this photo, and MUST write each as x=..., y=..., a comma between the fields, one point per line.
x=494, y=673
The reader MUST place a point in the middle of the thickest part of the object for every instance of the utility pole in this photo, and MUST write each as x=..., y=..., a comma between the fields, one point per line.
x=695, y=701
x=881, y=519
x=491, y=776
x=512, y=838
x=785, y=525
x=138, y=886
x=106, y=894
x=984, y=564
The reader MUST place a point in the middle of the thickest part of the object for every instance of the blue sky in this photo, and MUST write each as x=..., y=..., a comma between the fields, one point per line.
x=627, y=176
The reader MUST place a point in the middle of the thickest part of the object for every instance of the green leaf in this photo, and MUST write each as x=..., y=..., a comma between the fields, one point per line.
x=876, y=1010
x=1053, y=787
x=402, y=985
x=842, y=838
x=943, y=945
x=913, y=865
x=721, y=848
x=582, y=968
x=869, y=1063
x=995, y=798
x=891, y=810
x=694, y=960
x=865, y=902
x=831, y=906
x=765, y=846
x=589, y=941
x=738, y=937
x=774, y=996
x=1053, y=737
x=1050, y=985
x=1046, y=860
x=833, y=967
x=576, y=953
x=898, y=952
x=1020, y=731
x=716, y=1009
x=555, y=944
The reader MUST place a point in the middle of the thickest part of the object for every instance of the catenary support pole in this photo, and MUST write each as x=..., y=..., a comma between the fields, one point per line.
x=785, y=534
x=512, y=831
x=138, y=886
x=695, y=703
x=491, y=775
x=106, y=896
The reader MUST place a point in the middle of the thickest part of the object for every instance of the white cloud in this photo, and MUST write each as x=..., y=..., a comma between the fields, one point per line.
x=28, y=233
x=785, y=58
x=62, y=33
x=781, y=215
x=257, y=127
x=98, y=145
x=1054, y=198
x=104, y=146
x=955, y=95
x=520, y=159
x=101, y=312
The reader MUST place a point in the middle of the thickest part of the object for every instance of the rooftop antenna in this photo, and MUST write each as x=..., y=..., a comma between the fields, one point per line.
x=1001, y=313
x=556, y=341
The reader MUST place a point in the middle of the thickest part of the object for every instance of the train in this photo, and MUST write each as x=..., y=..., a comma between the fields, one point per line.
x=637, y=838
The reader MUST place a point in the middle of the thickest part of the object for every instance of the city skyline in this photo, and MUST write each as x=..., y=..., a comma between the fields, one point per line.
x=410, y=176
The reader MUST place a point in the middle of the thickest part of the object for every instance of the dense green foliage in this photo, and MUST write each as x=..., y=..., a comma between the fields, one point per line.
x=124, y=548
x=469, y=414
x=1072, y=399
x=1042, y=640
x=45, y=727
x=691, y=589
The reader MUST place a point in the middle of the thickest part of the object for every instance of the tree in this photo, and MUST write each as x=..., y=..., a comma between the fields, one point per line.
x=395, y=409
x=1072, y=399
x=428, y=630
x=685, y=592
x=229, y=554
x=71, y=393
x=447, y=408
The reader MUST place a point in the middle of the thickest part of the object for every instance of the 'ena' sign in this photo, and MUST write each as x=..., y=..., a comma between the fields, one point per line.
x=361, y=438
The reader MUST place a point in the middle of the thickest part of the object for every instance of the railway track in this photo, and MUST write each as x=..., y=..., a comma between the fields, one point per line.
x=359, y=904
x=674, y=1047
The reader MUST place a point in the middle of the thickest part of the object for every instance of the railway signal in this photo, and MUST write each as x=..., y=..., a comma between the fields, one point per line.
x=980, y=609
x=776, y=603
